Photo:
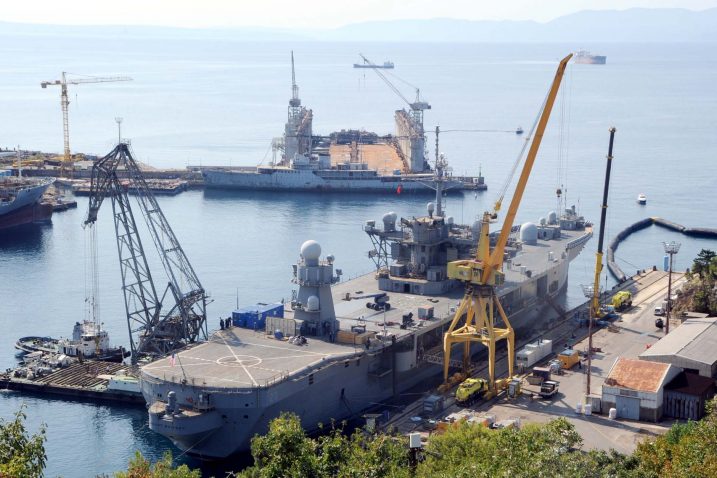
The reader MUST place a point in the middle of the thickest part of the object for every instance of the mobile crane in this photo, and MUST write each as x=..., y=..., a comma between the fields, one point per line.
x=482, y=274
x=154, y=330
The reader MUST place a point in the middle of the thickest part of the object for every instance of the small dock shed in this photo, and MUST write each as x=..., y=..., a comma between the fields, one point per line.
x=635, y=388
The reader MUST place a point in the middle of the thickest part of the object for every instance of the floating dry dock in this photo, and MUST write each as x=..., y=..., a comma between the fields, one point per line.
x=102, y=381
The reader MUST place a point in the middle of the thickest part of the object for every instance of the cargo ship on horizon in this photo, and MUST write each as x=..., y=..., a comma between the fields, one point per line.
x=587, y=58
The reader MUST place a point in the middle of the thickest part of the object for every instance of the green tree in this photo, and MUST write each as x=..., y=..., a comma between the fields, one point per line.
x=21, y=454
x=704, y=263
x=687, y=450
x=140, y=467
x=285, y=451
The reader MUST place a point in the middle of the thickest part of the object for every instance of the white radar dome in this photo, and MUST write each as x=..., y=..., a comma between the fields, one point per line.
x=529, y=233
x=449, y=220
x=312, y=303
x=552, y=217
x=311, y=251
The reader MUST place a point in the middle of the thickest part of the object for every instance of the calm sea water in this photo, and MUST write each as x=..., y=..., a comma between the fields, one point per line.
x=208, y=102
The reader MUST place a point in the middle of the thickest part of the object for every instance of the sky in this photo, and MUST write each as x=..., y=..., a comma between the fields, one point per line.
x=312, y=14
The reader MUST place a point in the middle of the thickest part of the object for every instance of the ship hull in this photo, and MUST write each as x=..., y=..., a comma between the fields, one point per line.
x=309, y=181
x=24, y=206
x=337, y=391
x=591, y=60
x=32, y=214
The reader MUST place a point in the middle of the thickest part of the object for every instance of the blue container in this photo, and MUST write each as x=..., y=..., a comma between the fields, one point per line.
x=254, y=316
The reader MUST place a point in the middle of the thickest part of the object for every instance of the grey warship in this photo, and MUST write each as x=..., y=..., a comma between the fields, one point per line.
x=351, y=344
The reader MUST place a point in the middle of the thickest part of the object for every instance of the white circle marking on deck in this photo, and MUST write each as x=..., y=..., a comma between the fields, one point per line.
x=239, y=361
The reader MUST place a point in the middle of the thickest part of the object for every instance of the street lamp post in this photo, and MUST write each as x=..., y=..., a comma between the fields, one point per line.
x=671, y=248
x=593, y=314
x=118, y=120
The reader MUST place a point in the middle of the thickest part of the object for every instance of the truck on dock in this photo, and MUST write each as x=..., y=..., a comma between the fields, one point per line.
x=549, y=388
x=622, y=300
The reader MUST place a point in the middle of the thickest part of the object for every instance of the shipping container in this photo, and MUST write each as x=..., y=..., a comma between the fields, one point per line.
x=533, y=353
x=254, y=316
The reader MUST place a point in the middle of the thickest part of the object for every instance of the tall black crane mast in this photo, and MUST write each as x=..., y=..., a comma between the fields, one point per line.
x=157, y=325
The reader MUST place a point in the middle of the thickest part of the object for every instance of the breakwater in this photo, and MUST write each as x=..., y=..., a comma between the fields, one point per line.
x=615, y=270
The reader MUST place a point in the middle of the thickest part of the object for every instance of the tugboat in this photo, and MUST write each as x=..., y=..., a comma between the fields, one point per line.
x=641, y=199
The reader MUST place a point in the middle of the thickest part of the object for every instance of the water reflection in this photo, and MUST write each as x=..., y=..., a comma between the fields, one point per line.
x=29, y=239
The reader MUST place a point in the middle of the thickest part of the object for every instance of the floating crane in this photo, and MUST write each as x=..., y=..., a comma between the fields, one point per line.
x=157, y=325
x=482, y=274
x=65, y=103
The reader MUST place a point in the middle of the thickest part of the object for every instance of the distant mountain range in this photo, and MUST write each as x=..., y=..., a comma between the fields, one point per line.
x=667, y=25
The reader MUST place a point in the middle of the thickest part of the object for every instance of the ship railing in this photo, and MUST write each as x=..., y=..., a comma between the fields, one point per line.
x=178, y=380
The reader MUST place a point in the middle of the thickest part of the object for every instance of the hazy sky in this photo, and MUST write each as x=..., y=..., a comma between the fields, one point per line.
x=303, y=13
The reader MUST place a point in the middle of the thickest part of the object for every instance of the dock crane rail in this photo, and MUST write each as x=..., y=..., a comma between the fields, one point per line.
x=482, y=274
x=153, y=331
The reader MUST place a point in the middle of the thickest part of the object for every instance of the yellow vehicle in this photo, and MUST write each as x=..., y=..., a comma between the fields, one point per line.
x=471, y=390
x=622, y=300
x=568, y=358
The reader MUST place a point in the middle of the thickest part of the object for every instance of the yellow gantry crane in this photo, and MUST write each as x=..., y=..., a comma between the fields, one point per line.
x=65, y=103
x=482, y=274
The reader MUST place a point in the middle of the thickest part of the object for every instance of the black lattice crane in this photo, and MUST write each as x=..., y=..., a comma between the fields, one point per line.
x=65, y=103
x=157, y=325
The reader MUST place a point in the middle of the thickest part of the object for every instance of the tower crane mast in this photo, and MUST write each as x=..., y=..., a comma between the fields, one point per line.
x=65, y=103
x=482, y=274
x=157, y=325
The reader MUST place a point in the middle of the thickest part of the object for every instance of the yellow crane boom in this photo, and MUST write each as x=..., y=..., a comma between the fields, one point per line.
x=483, y=273
x=65, y=103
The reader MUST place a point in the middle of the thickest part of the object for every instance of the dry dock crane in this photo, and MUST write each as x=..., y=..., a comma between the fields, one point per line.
x=482, y=274
x=65, y=103
x=157, y=325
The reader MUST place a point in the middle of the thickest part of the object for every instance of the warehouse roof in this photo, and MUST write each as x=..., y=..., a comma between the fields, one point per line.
x=695, y=339
x=635, y=374
x=691, y=383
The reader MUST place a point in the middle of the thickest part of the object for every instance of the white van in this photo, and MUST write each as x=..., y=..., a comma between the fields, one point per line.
x=660, y=310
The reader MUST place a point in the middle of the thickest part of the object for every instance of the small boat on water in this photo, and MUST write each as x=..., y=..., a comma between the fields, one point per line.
x=89, y=341
x=641, y=199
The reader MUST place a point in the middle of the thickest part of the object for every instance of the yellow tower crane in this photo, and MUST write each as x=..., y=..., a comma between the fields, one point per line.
x=65, y=103
x=482, y=274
